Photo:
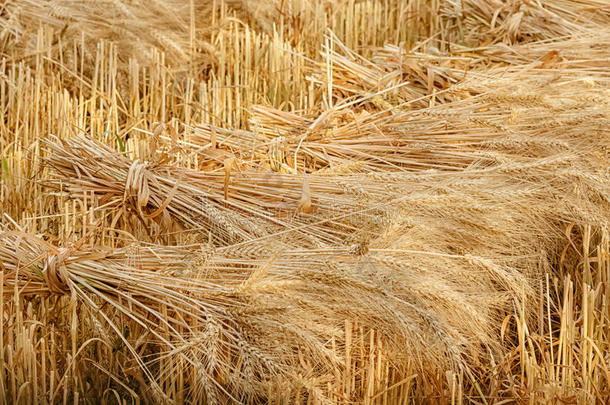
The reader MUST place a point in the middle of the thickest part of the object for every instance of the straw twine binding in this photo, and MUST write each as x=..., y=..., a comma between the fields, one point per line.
x=55, y=272
x=137, y=183
x=137, y=186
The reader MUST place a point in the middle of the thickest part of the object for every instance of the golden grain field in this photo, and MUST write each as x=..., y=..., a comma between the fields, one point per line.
x=305, y=202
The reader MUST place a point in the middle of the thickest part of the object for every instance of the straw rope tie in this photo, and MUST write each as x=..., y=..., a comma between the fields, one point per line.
x=137, y=183
x=56, y=274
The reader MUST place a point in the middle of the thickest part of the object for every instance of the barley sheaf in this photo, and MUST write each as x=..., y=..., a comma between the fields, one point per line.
x=304, y=202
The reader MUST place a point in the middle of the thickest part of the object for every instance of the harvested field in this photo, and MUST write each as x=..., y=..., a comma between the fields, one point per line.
x=305, y=202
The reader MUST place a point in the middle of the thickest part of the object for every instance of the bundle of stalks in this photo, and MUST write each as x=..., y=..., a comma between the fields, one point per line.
x=187, y=320
x=487, y=119
x=230, y=207
x=241, y=329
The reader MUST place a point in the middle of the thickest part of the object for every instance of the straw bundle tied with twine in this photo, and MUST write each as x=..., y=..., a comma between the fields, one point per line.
x=272, y=301
x=260, y=204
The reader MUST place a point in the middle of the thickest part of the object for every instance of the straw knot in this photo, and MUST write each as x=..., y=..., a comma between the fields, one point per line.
x=55, y=272
x=136, y=184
